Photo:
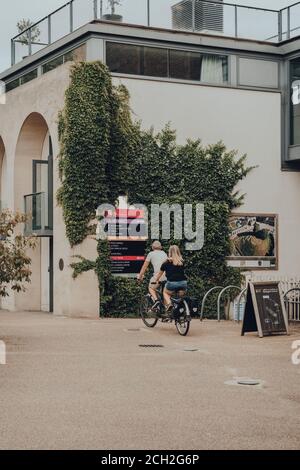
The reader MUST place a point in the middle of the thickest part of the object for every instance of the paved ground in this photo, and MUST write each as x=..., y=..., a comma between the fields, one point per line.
x=77, y=383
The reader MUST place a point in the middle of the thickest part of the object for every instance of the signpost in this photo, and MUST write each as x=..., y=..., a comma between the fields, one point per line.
x=127, y=236
x=265, y=310
x=127, y=257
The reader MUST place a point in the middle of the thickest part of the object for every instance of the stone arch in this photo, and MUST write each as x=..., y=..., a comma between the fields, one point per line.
x=32, y=144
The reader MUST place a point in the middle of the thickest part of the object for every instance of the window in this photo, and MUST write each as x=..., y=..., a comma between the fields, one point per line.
x=53, y=64
x=214, y=69
x=12, y=85
x=155, y=62
x=74, y=55
x=295, y=102
x=69, y=56
x=124, y=58
x=137, y=60
x=166, y=63
x=28, y=77
x=21, y=80
x=185, y=65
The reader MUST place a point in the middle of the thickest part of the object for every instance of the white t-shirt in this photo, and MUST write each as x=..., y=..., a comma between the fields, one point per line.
x=156, y=258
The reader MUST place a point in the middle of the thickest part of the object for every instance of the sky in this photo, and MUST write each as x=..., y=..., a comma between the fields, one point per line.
x=14, y=10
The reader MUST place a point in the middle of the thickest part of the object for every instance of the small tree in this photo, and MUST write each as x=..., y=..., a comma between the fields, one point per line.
x=14, y=262
x=23, y=25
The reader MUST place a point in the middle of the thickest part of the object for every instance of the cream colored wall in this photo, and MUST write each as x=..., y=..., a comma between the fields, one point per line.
x=45, y=95
x=247, y=120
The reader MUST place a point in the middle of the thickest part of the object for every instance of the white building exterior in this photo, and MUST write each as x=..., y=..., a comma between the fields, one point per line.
x=246, y=104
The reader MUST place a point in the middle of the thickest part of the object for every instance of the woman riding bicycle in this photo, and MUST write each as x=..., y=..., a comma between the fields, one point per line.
x=173, y=268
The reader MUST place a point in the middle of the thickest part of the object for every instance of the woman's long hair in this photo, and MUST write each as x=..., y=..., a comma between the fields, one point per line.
x=175, y=255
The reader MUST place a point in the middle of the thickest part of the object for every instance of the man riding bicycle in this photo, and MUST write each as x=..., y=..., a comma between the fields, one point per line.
x=156, y=258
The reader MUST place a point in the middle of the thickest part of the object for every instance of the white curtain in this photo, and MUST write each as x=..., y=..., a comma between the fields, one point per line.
x=212, y=69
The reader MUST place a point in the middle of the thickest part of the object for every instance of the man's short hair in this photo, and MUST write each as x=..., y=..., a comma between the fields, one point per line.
x=156, y=245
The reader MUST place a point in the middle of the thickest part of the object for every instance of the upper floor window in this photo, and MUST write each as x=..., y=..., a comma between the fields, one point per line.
x=295, y=102
x=166, y=63
x=137, y=60
x=77, y=54
x=21, y=80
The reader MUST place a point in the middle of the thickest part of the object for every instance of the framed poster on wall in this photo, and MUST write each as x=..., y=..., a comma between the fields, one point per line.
x=253, y=241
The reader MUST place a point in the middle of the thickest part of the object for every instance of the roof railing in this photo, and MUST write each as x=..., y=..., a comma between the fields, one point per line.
x=198, y=16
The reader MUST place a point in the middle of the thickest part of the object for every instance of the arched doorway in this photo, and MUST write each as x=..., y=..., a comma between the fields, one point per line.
x=33, y=194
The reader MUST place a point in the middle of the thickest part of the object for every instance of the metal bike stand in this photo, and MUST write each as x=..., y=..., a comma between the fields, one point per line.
x=239, y=301
x=296, y=303
x=219, y=298
x=205, y=297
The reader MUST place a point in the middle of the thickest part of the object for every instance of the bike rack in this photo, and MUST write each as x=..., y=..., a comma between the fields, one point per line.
x=219, y=298
x=286, y=301
x=291, y=290
x=243, y=292
x=205, y=297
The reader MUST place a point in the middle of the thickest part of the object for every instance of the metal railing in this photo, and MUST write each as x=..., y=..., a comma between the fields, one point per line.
x=199, y=16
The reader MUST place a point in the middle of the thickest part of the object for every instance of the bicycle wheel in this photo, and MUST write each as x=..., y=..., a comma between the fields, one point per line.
x=184, y=320
x=148, y=316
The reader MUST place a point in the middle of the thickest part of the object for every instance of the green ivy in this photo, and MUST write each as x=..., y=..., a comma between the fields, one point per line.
x=105, y=154
x=84, y=131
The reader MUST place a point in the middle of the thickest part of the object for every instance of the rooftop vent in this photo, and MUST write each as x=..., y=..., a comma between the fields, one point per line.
x=207, y=17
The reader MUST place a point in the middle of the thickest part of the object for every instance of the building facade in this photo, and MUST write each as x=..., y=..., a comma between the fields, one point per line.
x=242, y=91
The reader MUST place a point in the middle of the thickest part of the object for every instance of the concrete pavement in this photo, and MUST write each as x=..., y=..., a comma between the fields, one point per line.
x=86, y=384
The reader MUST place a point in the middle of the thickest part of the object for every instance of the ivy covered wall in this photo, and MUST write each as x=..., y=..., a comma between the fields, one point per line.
x=104, y=154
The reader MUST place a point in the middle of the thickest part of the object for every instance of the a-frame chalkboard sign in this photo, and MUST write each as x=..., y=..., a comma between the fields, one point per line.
x=264, y=310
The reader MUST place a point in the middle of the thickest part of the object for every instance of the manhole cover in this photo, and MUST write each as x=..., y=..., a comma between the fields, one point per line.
x=245, y=381
x=248, y=382
x=191, y=349
x=151, y=346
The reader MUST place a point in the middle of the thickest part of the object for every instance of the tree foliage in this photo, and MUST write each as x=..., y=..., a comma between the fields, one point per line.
x=31, y=35
x=15, y=263
x=104, y=154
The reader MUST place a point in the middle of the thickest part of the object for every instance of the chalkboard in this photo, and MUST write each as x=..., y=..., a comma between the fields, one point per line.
x=265, y=310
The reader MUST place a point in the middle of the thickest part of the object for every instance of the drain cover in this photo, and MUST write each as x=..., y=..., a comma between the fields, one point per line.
x=133, y=329
x=248, y=382
x=245, y=381
x=151, y=346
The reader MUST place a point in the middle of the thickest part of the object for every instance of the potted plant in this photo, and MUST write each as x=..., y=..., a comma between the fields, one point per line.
x=25, y=38
x=112, y=16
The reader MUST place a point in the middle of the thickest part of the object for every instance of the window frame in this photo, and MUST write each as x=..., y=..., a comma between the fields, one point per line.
x=20, y=79
x=201, y=52
x=290, y=152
